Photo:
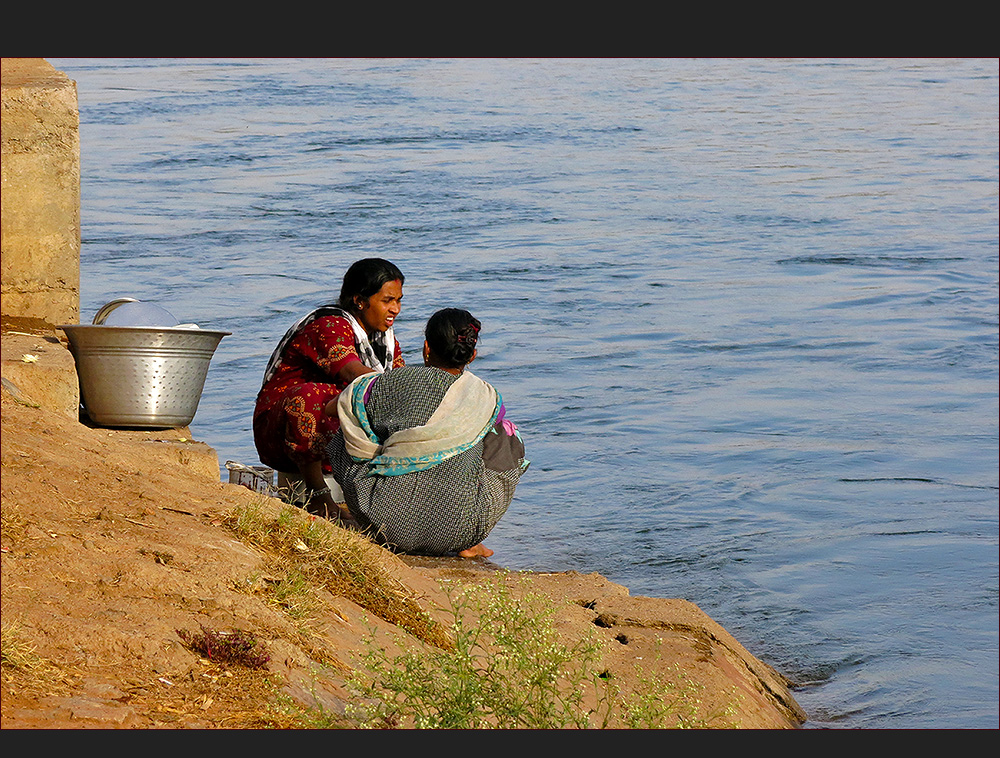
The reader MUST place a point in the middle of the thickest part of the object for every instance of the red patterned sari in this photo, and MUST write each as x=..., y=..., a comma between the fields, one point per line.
x=290, y=426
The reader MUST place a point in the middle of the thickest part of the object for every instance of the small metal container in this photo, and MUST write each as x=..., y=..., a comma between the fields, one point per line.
x=141, y=376
x=256, y=478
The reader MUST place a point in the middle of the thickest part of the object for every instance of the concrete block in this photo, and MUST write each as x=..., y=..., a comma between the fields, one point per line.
x=39, y=192
x=41, y=370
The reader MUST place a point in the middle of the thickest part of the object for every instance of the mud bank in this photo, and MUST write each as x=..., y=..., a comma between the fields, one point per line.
x=113, y=540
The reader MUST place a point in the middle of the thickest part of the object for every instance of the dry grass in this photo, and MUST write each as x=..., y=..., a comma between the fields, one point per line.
x=12, y=524
x=17, y=653
x=308, y=552
x=22, y=667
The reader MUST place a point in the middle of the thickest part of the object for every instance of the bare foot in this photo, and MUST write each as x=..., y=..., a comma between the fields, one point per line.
x=477, y=551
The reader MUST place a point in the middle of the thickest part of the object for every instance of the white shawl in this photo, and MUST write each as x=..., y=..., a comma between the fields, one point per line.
x=466, y=414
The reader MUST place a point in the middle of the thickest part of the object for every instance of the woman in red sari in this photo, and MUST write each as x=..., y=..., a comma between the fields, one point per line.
x=319, y=356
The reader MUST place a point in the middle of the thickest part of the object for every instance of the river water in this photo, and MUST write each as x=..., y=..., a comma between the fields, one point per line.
x=745, y=313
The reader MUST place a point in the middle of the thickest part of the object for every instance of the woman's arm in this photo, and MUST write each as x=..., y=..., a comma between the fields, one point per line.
x=348, y=373
x=352, y=371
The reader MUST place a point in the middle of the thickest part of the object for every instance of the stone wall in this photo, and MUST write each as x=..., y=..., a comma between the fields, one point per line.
x=40, y=214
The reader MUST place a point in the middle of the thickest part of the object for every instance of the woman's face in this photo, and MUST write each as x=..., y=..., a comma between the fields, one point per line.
x=378, y=312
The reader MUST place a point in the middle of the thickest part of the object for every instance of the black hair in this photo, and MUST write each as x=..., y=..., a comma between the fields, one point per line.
x=366, y=277
x=452, y=335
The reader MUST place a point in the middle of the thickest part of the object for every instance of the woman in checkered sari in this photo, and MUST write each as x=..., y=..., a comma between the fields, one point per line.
x=425, y=455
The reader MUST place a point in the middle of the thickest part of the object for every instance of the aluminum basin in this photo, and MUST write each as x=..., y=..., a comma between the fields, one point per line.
x=141, y=376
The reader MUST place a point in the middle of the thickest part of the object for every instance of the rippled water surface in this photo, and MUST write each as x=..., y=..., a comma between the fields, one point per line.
x=745, y=313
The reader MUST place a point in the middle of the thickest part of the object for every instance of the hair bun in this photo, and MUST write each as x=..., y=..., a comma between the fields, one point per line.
x=452, y=335
x=469, y=335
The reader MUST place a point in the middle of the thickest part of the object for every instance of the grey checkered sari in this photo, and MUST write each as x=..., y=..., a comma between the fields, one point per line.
x=448, y=507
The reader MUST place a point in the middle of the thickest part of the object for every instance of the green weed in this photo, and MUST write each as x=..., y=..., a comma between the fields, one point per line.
x=509, y=670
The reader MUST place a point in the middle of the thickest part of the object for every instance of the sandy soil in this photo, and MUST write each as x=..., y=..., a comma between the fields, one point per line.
x=110, y=546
